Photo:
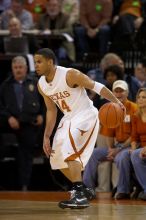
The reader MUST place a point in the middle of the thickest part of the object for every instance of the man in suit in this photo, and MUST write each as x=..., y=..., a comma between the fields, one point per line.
x=21, y=113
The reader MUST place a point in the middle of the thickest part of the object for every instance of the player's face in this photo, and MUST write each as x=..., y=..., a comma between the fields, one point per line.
x=42, y=65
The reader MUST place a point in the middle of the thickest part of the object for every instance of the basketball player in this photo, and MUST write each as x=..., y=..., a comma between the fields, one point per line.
x=77, y=131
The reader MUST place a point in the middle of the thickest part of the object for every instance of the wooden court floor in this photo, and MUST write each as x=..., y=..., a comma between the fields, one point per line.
x=43, y=206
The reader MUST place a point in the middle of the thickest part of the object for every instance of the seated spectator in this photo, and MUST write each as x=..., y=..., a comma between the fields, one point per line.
x=16, y=42
x=4, y=5
x=140, y=74
x=118, y=150
x=55, y=23
x=36, y=7
x=108, y=60
x=128, y=18
x=17, y=10
x=111, y=74
x=113, y=59
x=140, y=38
x=94, y=33
x=71, y=8
x=138, y=142
x=21, y=114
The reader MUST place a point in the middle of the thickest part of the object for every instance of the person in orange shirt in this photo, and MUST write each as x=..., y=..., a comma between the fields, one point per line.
x=36, y=7
x=118, y=150
x=138, y=141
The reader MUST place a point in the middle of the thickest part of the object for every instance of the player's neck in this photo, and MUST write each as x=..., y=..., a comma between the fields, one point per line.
x=51, y=74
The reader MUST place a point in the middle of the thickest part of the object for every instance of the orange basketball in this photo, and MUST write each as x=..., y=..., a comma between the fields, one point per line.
x=111, y=115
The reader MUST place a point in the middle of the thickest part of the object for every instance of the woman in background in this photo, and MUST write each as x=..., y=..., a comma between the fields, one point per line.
x=138, y=142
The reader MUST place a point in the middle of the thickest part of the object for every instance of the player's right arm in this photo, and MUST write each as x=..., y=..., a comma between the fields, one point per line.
x=51, y=115
x=76, y=78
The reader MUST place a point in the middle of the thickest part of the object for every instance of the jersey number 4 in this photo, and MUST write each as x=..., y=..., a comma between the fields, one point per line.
x=63, y=106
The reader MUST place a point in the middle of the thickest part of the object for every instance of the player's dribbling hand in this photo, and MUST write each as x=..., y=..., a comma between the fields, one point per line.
x=47, y=147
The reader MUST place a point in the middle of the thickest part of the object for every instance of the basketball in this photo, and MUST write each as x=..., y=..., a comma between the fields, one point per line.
x=111, y=115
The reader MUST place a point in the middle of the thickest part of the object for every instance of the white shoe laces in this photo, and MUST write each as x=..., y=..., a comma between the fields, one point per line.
x=72, y=194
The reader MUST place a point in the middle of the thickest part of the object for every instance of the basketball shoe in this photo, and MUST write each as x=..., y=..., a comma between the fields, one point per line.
x=77, y=201
x=89, y=193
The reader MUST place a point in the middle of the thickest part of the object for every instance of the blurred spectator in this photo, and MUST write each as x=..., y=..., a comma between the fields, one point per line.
x=55, y=23
x=107, y=172
x=138, y=142
x=29, y=43
x=17, y=10
x=36, y=7
x=110, y=75
x=108, y=60
x=140, y=39
x=113, y=73
x=21, y=114
x=71, y=8
x=94, y=33
x=4, y=5
x=118, y=150
x=127, y=21
x=113, y=59
x=140, y=74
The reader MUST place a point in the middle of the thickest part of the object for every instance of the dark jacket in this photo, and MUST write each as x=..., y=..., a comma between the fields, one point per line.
x=31, y=102
x=31, y=40
x=61, y=24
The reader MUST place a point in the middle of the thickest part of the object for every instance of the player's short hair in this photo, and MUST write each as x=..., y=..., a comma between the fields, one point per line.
x=47, y=53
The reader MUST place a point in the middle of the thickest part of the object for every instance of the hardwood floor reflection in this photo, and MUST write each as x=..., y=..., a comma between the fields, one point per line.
x=43, y=206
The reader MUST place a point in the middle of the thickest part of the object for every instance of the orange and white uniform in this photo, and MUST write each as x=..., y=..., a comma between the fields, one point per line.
x=77, y=131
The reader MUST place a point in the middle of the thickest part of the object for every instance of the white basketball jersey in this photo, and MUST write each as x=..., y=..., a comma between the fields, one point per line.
x=69, y=100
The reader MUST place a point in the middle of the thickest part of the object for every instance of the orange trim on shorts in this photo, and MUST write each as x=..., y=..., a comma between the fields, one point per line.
x=78, y=153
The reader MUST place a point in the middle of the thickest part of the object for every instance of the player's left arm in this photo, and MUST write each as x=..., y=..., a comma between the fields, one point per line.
x=76, y=78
